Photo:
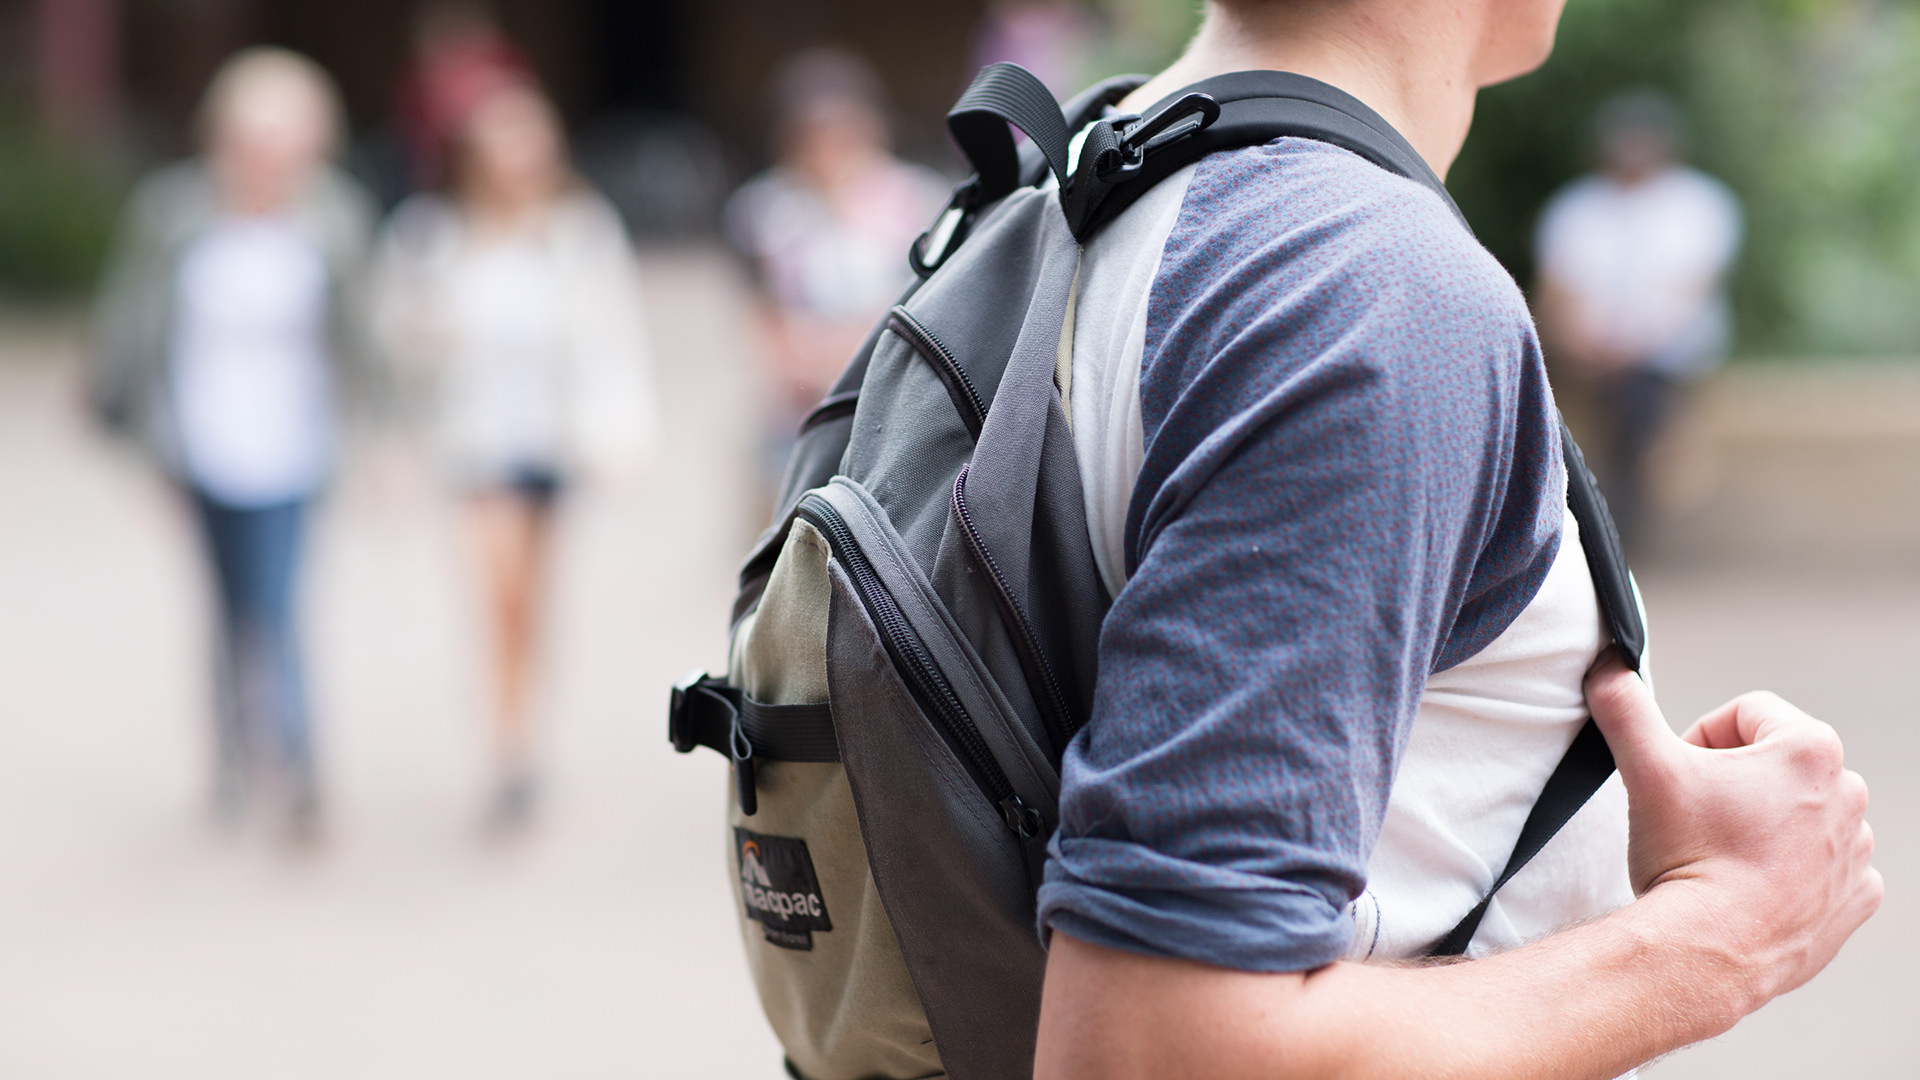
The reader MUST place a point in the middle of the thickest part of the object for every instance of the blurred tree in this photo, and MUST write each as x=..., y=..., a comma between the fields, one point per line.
x=1810, y=109
x=1143, y=35
x=57, y=205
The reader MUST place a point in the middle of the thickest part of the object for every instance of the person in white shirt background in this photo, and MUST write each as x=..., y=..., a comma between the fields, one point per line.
x=1633, y=262
x=825, y=230
x=226, y=331
x=513, y=303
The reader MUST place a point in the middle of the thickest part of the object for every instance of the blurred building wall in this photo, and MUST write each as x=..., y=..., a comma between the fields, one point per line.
x=711, y=58
x=922, y=51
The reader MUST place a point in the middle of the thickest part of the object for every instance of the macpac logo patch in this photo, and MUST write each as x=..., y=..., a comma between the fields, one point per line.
x=779, y=888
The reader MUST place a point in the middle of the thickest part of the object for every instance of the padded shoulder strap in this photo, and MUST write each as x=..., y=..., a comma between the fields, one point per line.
x=1257, y=107
x=1606, y=558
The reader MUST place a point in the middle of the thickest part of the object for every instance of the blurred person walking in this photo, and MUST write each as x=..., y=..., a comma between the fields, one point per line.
x=515, y=298
x=227, y=325
x=1054, y=39
x=826, y=227
x=1632, y=293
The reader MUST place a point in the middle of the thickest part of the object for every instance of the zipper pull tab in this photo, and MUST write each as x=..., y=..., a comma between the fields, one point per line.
x=1024, y=820
x=1027, y=824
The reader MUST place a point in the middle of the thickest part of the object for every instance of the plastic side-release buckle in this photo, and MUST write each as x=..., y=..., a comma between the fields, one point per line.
x=680, y=723
x=706, y=711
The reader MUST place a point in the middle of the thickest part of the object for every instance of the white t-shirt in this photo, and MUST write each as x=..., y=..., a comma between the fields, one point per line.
x=505, y=300
x=533, y=342
x=1646, y=262
x=838, y=257
x=251, y=391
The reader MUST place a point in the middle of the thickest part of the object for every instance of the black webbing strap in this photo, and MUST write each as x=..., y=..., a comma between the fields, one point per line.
x=1606, y=558
x=1586, y=766
x=1000, y=95
x=1588, y=762
x=710, y=712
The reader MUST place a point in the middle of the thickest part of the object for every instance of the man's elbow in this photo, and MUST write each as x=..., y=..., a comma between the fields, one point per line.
x=1115, y=1015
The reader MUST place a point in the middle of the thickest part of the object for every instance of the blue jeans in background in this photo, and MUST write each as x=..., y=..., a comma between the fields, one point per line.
x=261, y=699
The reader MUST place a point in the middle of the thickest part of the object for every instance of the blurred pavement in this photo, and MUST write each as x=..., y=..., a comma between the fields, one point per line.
x=135, y=942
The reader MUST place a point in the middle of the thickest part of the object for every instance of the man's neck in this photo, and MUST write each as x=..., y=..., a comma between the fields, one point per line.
x=1417, y=73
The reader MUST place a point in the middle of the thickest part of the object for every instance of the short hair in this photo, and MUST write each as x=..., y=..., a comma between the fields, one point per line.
x=824, y=76
x=258, y=84
x=1641, y=111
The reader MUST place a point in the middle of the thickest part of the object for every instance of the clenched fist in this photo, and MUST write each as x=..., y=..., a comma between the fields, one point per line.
x=1754, y=813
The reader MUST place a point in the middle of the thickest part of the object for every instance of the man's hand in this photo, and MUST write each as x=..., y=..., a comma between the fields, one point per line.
x=1753, y=813
x=1750, y=853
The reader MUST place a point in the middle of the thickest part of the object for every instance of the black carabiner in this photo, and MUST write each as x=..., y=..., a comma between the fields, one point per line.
x=1139, y=135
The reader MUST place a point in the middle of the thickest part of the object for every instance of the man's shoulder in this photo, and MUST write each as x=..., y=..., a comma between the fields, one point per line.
x=1298, y=214
x=1316, y=250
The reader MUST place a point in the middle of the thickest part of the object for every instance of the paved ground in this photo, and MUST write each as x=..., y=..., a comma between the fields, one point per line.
x=135, y=943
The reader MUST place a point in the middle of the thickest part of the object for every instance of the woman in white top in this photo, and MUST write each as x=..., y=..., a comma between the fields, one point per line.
x=516, y=300
x=225, y=330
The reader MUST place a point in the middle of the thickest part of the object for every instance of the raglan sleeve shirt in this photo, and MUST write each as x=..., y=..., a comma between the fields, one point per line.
x=1351, y=479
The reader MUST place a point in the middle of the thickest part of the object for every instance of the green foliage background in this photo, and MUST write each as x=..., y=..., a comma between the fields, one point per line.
x=1810, y=109
x=57, y=205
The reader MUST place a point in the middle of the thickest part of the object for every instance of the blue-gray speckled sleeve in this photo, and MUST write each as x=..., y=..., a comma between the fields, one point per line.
x=1351, y=479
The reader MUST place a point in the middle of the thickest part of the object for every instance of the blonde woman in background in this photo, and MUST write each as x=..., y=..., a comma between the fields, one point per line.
x=515, y=301
x=226, y=332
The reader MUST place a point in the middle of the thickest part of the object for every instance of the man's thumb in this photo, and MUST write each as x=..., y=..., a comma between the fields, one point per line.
x=1623, y=707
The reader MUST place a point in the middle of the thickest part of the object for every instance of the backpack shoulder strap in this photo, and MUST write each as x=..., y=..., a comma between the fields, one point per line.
x=1253, y=107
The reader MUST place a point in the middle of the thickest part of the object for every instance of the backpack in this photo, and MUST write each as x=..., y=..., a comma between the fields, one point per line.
x=914, y=640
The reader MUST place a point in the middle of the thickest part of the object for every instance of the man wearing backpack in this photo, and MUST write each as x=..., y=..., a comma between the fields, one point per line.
x=1193, y=565
x=1331, y=505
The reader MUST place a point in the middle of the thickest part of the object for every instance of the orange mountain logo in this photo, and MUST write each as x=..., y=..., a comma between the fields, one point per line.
x=752, y=871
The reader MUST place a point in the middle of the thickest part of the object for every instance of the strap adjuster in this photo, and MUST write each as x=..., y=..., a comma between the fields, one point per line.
x=1118, y=148
x=714, y=713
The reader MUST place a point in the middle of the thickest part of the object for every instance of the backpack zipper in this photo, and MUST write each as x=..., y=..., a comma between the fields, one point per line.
x=830, y=408
x=1060, y=718
x=966, y=396
x=911, y=655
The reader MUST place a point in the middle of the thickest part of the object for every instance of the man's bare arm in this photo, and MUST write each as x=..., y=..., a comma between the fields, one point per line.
x=1750, y=852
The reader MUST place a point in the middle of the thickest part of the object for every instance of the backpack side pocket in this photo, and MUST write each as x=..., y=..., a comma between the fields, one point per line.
x=823, y=955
